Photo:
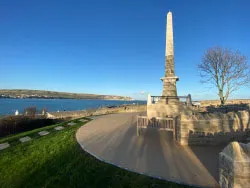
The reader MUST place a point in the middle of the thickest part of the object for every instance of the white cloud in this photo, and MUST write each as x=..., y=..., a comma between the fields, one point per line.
x=142, y=92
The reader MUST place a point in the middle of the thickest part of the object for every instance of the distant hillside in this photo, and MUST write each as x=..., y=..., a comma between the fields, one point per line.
x=25, y=93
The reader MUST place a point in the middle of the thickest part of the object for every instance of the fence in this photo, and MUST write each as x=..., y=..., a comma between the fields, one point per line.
x=167, y=124
x=184, y=99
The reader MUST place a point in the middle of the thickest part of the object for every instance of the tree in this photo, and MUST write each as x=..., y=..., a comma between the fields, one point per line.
x=225, y=69
x=31, y=111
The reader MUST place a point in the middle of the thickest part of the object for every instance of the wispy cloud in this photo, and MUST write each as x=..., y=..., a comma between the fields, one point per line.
x=142, y=92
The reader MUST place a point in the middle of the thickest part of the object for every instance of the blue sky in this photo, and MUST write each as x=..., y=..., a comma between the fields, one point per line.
x=115, y=47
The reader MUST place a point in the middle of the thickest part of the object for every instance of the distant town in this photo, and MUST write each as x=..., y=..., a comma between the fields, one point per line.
x=40, y=94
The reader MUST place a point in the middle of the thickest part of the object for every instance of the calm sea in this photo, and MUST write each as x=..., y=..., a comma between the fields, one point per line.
x=9, y=106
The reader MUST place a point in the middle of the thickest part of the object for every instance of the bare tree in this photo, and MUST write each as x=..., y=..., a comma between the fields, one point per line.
x=225, y=69
x=31, y=111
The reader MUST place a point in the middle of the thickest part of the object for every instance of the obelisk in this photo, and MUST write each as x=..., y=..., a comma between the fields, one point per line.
x=169, y=80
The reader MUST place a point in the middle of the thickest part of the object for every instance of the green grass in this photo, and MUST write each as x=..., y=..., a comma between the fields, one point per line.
x=56, y=160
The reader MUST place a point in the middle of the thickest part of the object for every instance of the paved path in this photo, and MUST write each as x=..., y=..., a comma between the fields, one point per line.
x=112, y=138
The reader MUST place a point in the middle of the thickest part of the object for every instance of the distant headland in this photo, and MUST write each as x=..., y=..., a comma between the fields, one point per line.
x=42, y=94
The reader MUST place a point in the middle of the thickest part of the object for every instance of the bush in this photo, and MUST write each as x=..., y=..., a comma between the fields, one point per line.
x=17, y=124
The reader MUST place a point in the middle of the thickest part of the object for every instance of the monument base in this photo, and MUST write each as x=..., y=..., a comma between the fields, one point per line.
x=163, y=110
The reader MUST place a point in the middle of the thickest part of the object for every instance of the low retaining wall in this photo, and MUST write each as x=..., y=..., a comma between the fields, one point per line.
x=234, y=166
x=217, y=102
x=213, y=128
x=100, y=111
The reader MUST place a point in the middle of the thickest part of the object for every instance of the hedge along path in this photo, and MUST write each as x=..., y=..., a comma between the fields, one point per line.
x=8, y=141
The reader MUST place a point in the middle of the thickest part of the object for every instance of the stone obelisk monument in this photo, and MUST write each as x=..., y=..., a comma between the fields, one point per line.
x=168, y=105
x=169, y=80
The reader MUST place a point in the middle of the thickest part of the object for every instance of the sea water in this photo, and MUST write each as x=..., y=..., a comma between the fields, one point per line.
x=9, y=106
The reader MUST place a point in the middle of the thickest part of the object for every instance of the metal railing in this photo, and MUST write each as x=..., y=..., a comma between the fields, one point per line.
x=167, y=124
x=184, y=99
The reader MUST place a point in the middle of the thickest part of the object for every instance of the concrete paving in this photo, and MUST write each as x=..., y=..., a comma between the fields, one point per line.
x=112, y=138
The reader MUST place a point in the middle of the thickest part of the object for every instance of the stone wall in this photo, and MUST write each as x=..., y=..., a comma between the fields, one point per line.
x=163, y=110
x=213, y=128
x=234, y=166
x=217, y=102
x=94, y=112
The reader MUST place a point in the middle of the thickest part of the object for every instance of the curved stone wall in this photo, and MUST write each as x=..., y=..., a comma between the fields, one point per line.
x=213, y=128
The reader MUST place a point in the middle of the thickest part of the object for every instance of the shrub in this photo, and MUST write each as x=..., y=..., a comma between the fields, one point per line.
x=17, y=124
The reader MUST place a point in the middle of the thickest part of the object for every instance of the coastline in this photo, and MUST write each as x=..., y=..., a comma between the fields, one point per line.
x=97, y=111
x=25, y=93
x=9, y=106
x=91, y=111
x=67, y=98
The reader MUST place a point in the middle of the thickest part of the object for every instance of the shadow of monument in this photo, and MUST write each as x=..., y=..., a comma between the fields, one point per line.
x=155, y=153
x=209, y=157
x=140, y=153
x=152, y=149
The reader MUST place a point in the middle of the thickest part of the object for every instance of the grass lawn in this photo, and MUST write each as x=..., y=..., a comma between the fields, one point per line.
x=57, y=160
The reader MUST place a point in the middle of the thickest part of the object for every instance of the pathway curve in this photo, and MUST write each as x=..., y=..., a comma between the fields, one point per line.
x=112, y=138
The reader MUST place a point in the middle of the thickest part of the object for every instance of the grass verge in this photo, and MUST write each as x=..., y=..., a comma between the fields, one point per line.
x=56, y=160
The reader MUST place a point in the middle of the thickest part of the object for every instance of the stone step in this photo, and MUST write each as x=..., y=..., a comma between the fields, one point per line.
x=83, y=120
x=4, y=145
x=71, y=124
x=92, y=117
x=58, y=128
x=25, y=139
x=43, y=133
